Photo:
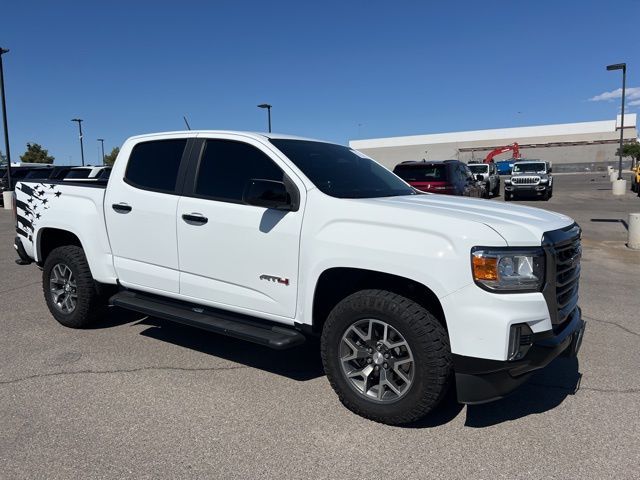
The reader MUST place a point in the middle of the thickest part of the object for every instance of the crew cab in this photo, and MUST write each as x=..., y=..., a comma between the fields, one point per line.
x=530, y=178
x=273, y=239
x=488, y=174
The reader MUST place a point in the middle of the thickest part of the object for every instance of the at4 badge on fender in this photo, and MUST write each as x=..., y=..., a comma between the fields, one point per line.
x=271, y=278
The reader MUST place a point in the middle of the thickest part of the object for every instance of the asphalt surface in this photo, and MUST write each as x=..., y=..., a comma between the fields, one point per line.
x=140, y=397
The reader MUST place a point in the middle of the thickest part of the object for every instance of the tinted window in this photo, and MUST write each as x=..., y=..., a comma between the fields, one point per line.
x=227, y=166
x=340, y=171
x=78, y=173
x=37, y=174
x=478, y=168
x=421, y=173
x=154, y=165
x=529, y=167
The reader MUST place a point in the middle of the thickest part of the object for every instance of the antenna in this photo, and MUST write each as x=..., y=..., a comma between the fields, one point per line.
x=186, y=122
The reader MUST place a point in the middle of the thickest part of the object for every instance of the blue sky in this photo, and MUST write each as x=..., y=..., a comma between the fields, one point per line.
x=331, y=70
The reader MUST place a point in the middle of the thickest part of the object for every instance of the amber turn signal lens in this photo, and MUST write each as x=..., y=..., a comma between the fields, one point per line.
x=485, y=268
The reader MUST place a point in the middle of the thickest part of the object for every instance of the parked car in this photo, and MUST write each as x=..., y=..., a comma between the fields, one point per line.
x=21, y=172
x=530, y=178
x=272, y=239
x=87, y=173
x=635, y=178
x=450, y=177
x=504, y=167
x=487, y=173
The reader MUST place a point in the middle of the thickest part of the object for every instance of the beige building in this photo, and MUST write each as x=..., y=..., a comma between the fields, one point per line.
x=569, y=146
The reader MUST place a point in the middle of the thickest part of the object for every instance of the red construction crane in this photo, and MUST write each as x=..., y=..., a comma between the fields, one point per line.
x=514, y=148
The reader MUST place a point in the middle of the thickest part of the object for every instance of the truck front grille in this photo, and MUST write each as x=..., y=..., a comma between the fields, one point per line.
x=563, y=262
x=522, y=180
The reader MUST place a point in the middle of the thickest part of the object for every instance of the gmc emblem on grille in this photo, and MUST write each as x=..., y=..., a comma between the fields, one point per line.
x=271, y=278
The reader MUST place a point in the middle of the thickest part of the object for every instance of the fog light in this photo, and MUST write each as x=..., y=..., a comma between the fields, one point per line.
x=520, y=341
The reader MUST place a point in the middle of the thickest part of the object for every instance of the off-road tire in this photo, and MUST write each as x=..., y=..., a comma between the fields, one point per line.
x=91, y=303
x=496, y=191
x=424, y=334
x=487, y=190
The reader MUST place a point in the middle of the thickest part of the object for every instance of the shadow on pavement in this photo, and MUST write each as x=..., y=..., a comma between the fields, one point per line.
x=299, y=363
x=115, y=317
x=544, y=391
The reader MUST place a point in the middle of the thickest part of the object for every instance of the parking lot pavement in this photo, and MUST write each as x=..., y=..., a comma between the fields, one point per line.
x=139, y=397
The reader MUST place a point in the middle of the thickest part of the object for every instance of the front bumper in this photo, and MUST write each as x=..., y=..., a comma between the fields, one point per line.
x=533, y=190
x=480, y=380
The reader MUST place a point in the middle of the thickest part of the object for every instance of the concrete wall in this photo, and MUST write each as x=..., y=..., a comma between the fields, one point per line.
x=570, y=147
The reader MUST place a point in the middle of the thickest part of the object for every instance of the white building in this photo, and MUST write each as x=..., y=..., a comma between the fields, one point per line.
x=570, y=146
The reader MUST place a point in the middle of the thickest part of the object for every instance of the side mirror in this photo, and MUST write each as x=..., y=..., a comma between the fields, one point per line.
x=480, y=178
x=268, y=194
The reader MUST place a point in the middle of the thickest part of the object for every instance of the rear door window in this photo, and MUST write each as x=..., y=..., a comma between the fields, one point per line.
x=154, y=165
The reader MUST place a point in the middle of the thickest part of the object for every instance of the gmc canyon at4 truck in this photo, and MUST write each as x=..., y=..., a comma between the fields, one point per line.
x=272, y=238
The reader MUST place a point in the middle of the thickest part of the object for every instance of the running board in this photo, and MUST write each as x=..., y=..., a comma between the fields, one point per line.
x=242, y=327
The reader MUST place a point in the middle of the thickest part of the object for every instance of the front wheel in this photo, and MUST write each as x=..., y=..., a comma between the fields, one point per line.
x=386, y=357
x=71, y=293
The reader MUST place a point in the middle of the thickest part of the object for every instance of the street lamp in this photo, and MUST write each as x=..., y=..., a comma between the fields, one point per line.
x=79, y=120
x=268, y=107
x=4, y=120
x=101, y=140
x=623, y=67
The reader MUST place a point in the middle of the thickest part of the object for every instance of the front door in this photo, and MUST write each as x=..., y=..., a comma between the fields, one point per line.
x=140, y=212
x=234, y=255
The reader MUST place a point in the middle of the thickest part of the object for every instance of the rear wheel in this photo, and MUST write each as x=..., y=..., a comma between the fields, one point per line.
x=496, y=190
x=71, y=294
x=387, y=358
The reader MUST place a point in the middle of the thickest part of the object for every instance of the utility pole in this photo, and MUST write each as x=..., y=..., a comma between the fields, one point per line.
x=101, y=140
x=79, y=120
x=4, y=119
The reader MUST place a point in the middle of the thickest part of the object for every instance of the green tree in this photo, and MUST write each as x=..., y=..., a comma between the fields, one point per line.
x=3, y=158
x=630, y=150
x=36, y=154
x=111, y=157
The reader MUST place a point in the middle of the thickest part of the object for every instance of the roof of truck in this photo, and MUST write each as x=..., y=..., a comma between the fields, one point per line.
x=255, y=135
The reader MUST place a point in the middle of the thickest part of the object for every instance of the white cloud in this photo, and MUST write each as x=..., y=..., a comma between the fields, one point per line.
x=634, y=103
x=632, y=94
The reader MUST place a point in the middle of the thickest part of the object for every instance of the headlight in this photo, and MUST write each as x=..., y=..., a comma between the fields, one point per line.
x=508, y=269
x=544, y=180
x=507, y=180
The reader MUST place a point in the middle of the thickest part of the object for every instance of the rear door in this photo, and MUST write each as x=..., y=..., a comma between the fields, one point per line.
x=140, y=211
x=234, y=255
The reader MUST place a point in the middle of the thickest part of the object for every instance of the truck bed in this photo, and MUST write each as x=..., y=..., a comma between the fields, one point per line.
x=75, y=207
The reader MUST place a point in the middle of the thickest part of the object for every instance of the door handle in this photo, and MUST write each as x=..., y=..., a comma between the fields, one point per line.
x=194, y=218
x=121, y=207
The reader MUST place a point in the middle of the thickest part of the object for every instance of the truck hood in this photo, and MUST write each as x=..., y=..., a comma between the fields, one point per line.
x=518, y=225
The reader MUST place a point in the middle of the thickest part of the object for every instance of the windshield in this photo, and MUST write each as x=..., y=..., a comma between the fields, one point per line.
x=529, y=167
x=38, y=174
x=340, y=171
x=479, y=168
x=421, y=173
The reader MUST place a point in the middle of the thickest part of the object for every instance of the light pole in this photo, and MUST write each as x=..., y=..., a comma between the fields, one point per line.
x=79, y=120
x=268, y=107
x=101, y=140
x=623, y=67
x=4, y=119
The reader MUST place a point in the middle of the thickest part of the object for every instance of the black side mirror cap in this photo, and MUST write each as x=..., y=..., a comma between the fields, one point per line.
x=270, y=194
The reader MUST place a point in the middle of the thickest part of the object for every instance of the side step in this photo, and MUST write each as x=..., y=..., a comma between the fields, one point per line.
x=243, y=327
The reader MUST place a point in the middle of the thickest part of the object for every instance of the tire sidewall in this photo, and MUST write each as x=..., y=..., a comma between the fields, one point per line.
x=85, y=288
x=424, y=378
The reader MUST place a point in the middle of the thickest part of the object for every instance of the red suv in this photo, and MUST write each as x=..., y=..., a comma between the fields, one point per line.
x=450, y=177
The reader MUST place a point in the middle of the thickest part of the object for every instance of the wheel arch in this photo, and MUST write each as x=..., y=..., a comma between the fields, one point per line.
x=336, y=283
x=50, y=238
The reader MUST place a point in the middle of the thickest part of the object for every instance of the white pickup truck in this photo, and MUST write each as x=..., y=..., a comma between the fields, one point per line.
x=273, y=238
